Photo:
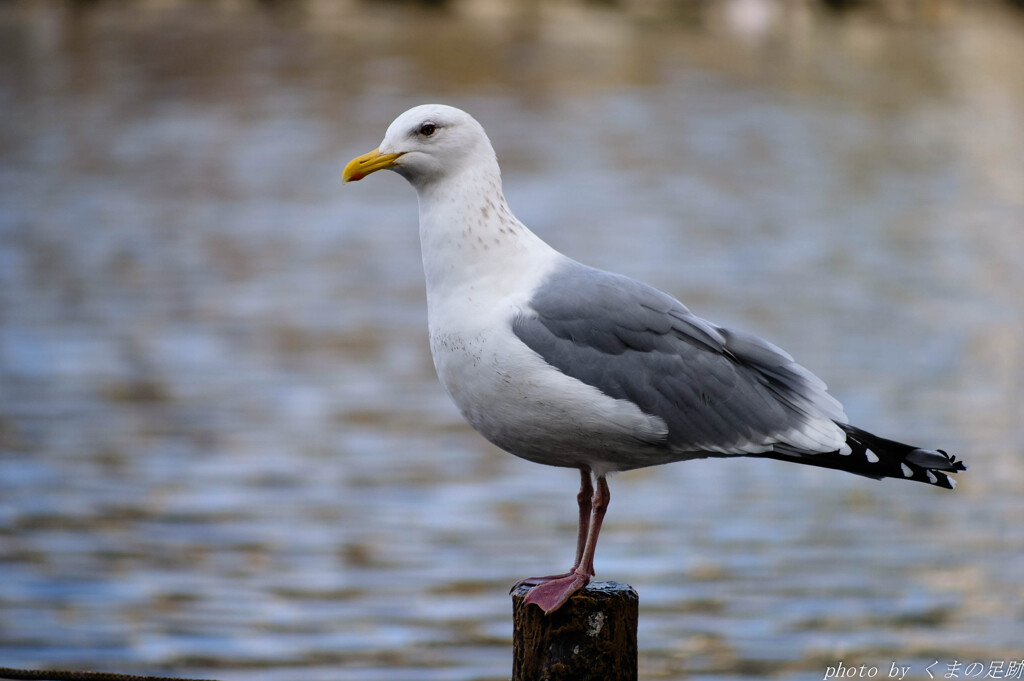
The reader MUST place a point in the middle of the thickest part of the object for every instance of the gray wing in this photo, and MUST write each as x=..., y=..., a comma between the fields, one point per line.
x=719, y=391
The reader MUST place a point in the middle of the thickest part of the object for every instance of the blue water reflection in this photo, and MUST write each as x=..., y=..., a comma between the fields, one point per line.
x=224, y=450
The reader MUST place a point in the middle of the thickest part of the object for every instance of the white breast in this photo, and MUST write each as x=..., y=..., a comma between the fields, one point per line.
x=515, y=399
x=482, y=266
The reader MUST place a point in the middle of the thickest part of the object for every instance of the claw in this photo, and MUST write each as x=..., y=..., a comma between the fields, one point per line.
x=537, y=581
x=550, y=596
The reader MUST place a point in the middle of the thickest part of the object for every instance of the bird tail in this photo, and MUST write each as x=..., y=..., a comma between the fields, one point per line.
x=878, y=458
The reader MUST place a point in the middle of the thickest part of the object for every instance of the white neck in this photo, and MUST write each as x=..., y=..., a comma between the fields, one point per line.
x=471, y=240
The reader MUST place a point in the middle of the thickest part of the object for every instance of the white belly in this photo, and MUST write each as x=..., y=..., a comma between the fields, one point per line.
x=531, y=409
x=505, y=390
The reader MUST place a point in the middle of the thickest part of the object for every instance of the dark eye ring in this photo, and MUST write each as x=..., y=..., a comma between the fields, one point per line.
x=428, y=129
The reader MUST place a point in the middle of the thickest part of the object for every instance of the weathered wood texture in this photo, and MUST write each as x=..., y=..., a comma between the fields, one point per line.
x=590, y=638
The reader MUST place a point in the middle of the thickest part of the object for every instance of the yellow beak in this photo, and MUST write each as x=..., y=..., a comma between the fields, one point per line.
x=361, y=166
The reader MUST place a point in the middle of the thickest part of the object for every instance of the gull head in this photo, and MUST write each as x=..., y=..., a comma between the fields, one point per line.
x=425, y=144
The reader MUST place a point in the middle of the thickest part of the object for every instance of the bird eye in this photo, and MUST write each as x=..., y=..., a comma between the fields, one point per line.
x=428, y=129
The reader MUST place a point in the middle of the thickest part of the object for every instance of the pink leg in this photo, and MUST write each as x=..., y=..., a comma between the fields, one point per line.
x=552, y=594
x=584, y=501
x=600, y=503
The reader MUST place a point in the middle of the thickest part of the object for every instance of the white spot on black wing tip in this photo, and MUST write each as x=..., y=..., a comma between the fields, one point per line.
x=871, y=456
x=907, y=472
x=931, y=477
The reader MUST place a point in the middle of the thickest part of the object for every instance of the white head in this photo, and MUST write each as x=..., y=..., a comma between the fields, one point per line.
x=426, y=143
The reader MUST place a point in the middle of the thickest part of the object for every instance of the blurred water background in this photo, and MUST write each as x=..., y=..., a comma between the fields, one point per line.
x=224, y=449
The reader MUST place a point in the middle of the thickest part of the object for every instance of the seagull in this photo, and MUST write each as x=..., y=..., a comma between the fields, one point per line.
x=566, y=365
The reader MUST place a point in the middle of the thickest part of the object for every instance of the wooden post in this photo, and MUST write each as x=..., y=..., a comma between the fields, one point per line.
x=590, y=638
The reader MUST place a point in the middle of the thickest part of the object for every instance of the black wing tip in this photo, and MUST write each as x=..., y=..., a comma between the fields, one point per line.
x=954, y=465
x=941, y=479
x=891, y=459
